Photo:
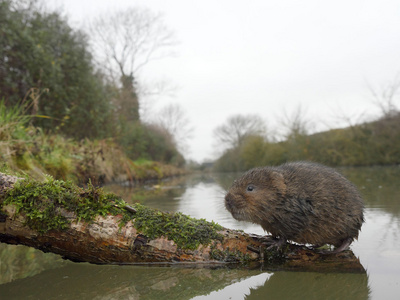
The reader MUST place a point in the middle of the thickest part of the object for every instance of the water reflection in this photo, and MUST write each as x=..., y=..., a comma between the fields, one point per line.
x=379, y=186
x=84, y=281
x=291, y=285
x=17, y=261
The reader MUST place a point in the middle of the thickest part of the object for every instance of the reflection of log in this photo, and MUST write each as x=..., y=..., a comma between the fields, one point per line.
x=84, y=281
x=90, y=226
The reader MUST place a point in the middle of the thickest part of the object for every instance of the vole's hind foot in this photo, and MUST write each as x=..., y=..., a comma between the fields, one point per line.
x=268, y=243
x=344, y=246
x=271, y=243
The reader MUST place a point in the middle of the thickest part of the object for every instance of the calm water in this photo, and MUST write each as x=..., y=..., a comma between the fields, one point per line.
x=30, y=274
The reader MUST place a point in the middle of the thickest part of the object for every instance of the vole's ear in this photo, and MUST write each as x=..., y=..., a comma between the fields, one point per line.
x=278, y=182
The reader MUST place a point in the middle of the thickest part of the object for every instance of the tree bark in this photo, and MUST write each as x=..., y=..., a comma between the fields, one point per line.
x=105, y=241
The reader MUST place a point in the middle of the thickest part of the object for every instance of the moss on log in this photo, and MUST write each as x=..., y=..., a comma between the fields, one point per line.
x=89, y=225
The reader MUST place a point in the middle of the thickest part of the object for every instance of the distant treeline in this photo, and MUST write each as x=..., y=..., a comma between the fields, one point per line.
x=371, y=143
x=47, y=68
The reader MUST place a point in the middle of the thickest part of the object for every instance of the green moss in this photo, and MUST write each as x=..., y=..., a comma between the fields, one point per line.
x=186, y=232
x=42, y=203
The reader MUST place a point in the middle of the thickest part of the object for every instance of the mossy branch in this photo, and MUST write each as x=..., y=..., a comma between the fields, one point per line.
x=97, y=227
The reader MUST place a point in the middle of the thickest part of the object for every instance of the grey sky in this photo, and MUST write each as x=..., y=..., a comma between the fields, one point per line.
x=264, y=57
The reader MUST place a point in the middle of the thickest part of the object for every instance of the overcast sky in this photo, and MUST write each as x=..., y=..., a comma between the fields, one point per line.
x=264, y=57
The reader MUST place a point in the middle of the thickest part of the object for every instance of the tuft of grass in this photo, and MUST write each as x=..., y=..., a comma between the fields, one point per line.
x=13, y=133
x=12, y=122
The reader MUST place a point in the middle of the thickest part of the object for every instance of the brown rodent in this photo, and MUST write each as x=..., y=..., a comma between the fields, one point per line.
x=304, y=202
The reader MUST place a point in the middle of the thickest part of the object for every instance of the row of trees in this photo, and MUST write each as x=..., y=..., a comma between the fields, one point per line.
x=85, y=85
x=248, y=145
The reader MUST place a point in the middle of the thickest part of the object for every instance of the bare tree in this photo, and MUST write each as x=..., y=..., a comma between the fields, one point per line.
x=233, y=133
x=295, y=124
x=174, y=120
x=124, y=42
x=385, y=97
x=128, y=39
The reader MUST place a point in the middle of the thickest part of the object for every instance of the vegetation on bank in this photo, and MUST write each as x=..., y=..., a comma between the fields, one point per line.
x=28, y=149
x=62, y=115
x=366, y=144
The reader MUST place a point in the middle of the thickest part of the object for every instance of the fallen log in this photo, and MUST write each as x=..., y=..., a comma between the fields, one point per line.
x=88, y=225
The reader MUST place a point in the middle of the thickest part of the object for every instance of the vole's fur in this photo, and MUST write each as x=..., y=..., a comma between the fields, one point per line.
x=302, y=202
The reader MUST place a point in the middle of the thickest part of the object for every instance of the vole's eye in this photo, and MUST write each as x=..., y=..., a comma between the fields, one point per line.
x=250, y=188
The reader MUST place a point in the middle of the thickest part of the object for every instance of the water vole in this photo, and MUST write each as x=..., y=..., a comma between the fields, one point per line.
x=303, y=202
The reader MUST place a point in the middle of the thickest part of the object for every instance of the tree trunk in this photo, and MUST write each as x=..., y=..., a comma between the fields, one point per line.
x=134, y=235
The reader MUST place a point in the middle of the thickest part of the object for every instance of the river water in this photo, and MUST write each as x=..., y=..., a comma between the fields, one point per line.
x=27, y=273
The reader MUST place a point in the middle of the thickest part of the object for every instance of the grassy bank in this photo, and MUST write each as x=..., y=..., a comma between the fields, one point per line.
x=366, y=144
x=28, y=149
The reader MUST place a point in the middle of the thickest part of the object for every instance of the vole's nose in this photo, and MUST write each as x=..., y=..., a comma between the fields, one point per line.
x=228, y=201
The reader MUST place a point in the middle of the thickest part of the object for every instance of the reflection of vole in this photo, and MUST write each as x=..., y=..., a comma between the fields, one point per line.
x=302, y=202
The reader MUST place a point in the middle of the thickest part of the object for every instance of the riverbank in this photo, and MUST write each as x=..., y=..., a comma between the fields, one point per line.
x=102, y=161
x=367, y=144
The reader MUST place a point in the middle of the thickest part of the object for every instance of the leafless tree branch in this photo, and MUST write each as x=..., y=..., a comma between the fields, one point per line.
x=237, y=128
x=174, y=120
x=386, y=96
x=125, y=41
